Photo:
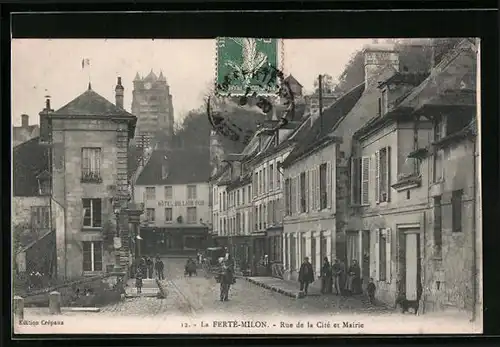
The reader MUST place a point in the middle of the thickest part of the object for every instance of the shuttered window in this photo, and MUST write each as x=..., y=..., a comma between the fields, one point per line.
x=40, y=217
x=288, y=196
x=303, y=192
x=92, y=256
x=355, y=181
x=323, y=186
x=365, y=180
x=330, y=199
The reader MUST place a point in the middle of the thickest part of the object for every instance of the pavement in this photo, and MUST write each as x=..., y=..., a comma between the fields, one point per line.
x=191, y=302
x=287, y=288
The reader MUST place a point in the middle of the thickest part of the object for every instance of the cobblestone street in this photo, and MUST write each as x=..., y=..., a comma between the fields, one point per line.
x=199, y=295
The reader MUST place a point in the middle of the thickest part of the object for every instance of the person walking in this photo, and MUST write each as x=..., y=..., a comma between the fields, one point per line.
x=226, y=279
x=353, y=277
x=306, y=275
x=337, y=272
x=159, y=267
x=326, y=277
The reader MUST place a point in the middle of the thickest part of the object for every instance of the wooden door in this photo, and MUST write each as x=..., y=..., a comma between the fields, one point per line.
x=412, y=260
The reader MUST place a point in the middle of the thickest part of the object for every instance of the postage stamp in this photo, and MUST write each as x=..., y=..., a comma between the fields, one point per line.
x=320, y=196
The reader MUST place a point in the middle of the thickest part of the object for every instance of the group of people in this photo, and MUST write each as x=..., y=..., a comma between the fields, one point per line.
x=333, y=277
x=146, y=268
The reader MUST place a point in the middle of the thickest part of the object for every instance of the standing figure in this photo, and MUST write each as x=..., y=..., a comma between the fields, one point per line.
x=138, y=281
x=338, y=273
x=353, y=278
x=226, y=279
x=306, y=275
x=159, y=267
x=150, y=265
x=370, y=288
x=326, y=277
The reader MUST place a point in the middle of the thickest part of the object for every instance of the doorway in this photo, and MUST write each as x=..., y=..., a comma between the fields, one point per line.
x=365, y=257
x=410, y=262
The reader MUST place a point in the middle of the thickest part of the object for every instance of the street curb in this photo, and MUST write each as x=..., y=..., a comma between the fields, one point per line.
x=274, y=289
x=80, y=309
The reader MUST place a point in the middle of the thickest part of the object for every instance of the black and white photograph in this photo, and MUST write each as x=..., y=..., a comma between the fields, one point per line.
x=246, y=185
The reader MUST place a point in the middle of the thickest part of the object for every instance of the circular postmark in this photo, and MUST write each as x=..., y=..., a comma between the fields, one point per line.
x=269, y=88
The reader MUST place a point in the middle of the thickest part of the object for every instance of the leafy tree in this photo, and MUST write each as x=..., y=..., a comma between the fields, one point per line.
x=328, y=84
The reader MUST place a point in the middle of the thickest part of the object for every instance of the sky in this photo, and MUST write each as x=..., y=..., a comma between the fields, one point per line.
x=54, y=67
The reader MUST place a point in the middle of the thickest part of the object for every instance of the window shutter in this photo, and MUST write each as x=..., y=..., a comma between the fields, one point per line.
x=352, y=162
x=306, y=197
x=377, y=176
x=318, y=192
x=297, y=194
x=377, y=254
x=97, y=212
x=365, y=171
x=329, y=185
x=388, y=172
x=388, y=238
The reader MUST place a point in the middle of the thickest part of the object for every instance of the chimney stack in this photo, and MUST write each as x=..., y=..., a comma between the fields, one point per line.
x=119, y=93
x=25, y=120
x=377, y=57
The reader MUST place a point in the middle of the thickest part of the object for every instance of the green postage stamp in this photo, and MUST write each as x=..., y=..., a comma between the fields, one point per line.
x=247, y=65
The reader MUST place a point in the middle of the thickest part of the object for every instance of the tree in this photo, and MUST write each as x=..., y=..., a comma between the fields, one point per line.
x=328, y=84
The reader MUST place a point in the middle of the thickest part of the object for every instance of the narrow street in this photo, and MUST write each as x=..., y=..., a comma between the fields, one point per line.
x=199, y=295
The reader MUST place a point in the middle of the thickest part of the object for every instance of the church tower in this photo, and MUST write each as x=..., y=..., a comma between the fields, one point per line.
x=152, y=104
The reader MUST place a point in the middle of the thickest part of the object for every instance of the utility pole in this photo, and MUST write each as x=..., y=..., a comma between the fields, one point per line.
x=320, y=94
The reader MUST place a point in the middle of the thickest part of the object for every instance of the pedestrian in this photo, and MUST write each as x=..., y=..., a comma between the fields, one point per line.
x=143, y=266
x=230, y=262
x=306, y=275
x=226, y=279
x=370, y=288
x=337, y=272
x=150, y=266
x=353, y=278
x=138, y=281
x=326, y=277
x=159, y=267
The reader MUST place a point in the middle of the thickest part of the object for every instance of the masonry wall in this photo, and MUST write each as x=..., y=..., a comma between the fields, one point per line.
x=179, y=202
x=69, y=137
x=451, y=277
x=312, y=223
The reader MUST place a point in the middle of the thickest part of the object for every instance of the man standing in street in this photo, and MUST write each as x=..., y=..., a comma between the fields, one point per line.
x=306, y=275
x=337, y=275
x=159, y=266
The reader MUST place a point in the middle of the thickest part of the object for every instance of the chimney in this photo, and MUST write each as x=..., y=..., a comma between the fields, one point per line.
x=25, y=120
x=377, y=57
x=45, y=122
x=119, y=93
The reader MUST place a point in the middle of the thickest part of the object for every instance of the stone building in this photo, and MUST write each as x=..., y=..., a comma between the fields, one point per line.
x=174, y=188
x=152, y=104
x=415, y=184
x=310, y=188
x=24, y=132
x=87, y=167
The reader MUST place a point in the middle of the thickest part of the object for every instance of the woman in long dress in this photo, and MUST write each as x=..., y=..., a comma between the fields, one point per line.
x=353, y=275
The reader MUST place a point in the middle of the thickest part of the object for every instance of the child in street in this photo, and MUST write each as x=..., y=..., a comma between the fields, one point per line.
x=370, y=288
x=138, y=281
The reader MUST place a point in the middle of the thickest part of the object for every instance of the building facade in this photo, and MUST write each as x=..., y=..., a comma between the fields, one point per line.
x=24, y=132
x=152, y=104
x=74, y=177
x=174, y=188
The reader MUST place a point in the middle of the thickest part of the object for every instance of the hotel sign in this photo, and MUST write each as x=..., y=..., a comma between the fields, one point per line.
x=180, y=203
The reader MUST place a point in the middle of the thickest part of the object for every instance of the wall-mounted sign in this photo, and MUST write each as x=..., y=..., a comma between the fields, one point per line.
x=180, y=203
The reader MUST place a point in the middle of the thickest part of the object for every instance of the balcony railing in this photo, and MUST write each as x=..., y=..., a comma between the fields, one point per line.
x=91, y=177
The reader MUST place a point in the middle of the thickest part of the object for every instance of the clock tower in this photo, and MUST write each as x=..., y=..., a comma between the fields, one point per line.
x=152, y=105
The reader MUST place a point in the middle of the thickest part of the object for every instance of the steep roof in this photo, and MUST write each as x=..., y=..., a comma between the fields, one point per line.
x=21, y=134
x=184, y=166
x=29, y=159
x=90, y=103
x=320, y=127
x=440, y=87
x=293, y=80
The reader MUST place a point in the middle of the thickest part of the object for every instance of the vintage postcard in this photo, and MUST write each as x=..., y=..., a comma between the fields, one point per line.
x=246, y=185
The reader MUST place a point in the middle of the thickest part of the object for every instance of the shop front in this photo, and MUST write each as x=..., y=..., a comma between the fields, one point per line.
x=173, y=240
